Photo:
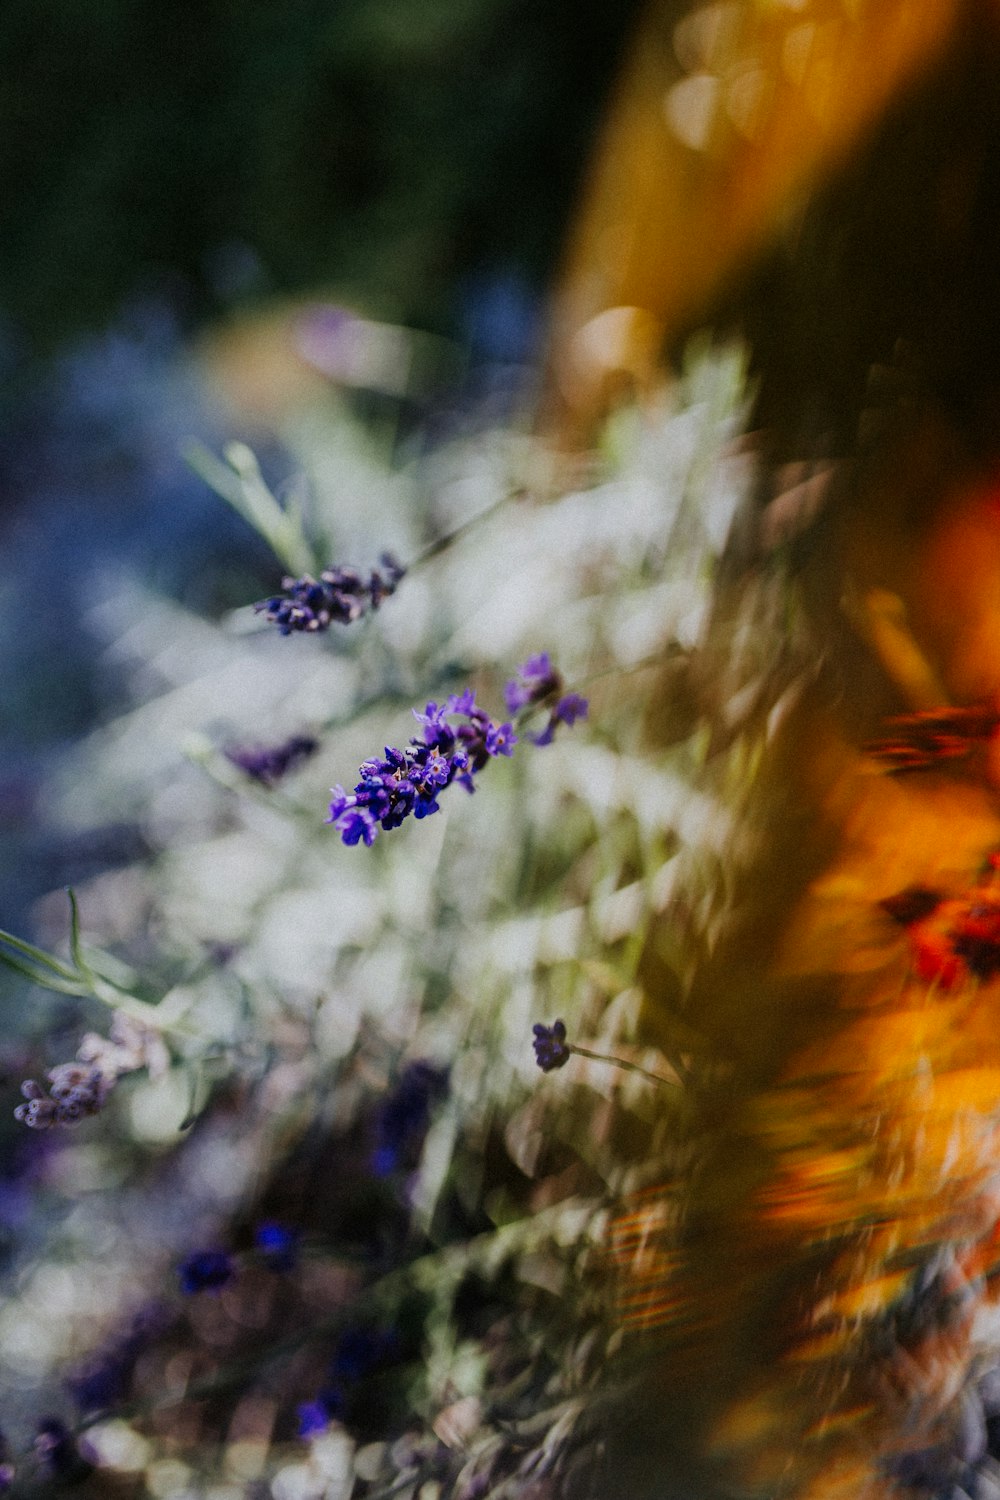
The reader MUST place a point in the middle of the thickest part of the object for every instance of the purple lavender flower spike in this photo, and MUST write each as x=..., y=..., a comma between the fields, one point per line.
x=550, y=1046
x=340, y=595
x=410, y=781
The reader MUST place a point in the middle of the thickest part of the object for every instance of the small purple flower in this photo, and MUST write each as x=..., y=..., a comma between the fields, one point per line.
x=550, y=1046
x=313, y=1418
x=357, y=825
x=410, y=781
x=277, y=1244
x=538, y=680
x=567, y=711
x=206, y=1270
x=340, y=595
x=269, y=765
x=463, y=702
x=500, y=739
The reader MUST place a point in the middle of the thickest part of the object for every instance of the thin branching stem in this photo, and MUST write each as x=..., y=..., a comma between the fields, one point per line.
x=619, y=1062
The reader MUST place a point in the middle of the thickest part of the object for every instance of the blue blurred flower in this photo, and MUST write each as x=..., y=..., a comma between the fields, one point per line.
x=361, y=1350
x=277, y=1244
x=206, y=1270
x=403, y=1116
x=314, y=1417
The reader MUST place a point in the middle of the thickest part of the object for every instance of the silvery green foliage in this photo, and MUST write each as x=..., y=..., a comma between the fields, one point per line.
x=292, y=968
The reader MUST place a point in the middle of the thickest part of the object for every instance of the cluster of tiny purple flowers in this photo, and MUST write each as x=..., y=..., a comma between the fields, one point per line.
x=340, y=595
x=538, y=682
x=81, y=1088
x=551, y=1048
x=411, y=780
x=75, y=1091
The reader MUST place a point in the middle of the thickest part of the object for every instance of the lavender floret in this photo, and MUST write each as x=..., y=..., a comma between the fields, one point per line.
x=340, y=595
x=538, y=682
x=536, y=679
x=60, y=1455
x=567, y=711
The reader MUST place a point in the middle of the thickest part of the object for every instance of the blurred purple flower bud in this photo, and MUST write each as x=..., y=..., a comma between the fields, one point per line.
x=268, y=765
x=206, y=1270
x=340, y=595
x=550, y=1046
x=567, y=711
x=277, y=1244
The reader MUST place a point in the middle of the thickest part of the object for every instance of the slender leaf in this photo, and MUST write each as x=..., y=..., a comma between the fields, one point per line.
x=74, y=932
x=45, y=978
x=239, y=481
x=39, y=956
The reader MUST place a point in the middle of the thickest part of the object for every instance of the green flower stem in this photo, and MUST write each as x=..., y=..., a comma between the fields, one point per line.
x=619, y=1062
x=434, y=549
x=52, y=974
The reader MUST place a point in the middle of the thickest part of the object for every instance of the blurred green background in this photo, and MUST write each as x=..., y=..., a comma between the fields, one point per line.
x=386, y=149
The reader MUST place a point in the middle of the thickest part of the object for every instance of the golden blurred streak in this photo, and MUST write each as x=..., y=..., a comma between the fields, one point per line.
x=701, y=164
x=849, y=1179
